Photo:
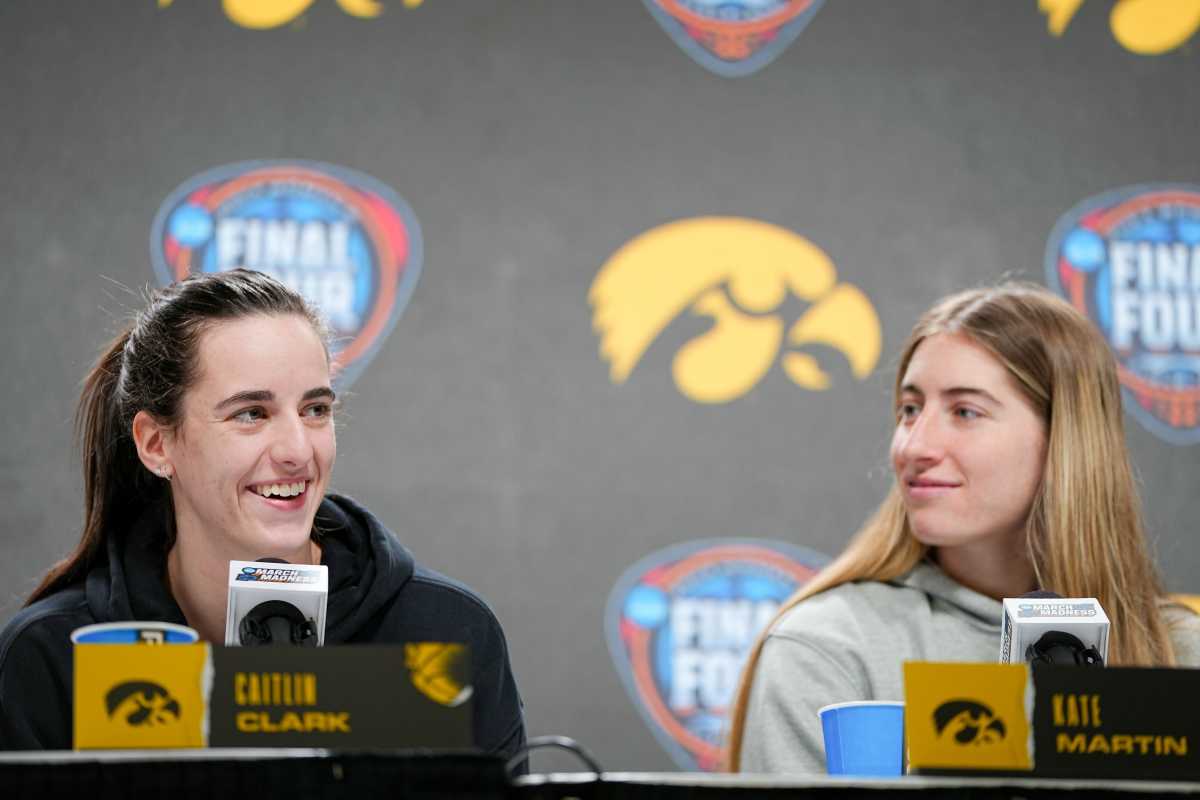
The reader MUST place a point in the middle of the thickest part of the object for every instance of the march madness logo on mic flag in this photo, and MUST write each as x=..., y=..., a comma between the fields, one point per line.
x=680, y=624
x=344, y=240
x=1130, y=260
x=733, y=38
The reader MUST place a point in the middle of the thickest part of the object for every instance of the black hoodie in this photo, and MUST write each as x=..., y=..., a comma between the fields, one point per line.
x=377, y=595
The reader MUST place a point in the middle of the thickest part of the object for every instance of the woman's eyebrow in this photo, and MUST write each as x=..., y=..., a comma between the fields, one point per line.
x=320, y=391
x=954, y=391
x=267, y=396
x=248, y=396
x=973, y=391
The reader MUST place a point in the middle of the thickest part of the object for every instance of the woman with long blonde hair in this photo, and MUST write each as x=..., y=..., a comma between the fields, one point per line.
x=1011, y=474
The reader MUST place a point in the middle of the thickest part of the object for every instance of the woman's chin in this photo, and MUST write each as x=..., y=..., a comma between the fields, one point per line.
x=293, y=544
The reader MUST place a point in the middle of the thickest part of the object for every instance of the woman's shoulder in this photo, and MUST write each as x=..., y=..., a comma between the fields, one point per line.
x=848, y=606
x=46, y=623
x=922, y=599
x=450, y=595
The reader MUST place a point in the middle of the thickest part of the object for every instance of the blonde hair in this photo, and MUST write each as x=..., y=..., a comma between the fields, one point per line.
x=1085, y=536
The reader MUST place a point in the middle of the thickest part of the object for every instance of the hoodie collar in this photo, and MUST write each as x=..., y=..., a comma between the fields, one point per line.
x=367, y=568
x=929, y=578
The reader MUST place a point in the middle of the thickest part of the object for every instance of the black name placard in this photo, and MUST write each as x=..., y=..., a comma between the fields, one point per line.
x=368, y=696
x=1116, y=722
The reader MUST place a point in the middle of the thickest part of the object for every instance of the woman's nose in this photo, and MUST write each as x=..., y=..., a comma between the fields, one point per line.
x=291, y=445
x=922, y=439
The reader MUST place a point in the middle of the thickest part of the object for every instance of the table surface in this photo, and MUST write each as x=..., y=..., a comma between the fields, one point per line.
x=681, y=779
x=912, y=782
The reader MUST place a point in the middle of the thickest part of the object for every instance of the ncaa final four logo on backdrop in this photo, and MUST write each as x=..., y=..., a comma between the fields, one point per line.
x=344, y=240
x=1130, y=260
x=744, y=275
x=680, y=624
x=733, y=38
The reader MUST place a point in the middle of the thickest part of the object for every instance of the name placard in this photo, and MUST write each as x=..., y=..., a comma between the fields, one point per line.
x=415, y=695
x=1118, y=722
x=966, y=717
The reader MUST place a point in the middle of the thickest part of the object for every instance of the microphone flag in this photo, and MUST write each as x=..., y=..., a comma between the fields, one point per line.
x=1027, y=619
x=296, y=592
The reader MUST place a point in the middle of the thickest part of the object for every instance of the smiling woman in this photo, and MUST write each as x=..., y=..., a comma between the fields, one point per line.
x=208, y=436
x=250, y=454
x=1011, y=474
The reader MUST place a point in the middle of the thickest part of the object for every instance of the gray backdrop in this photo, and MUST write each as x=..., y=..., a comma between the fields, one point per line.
x=925, y=146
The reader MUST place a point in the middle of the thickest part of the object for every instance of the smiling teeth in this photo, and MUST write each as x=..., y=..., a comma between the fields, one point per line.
x=281, y=489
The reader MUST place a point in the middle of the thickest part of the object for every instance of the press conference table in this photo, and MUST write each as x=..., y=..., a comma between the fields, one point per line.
x=300, y=774
x=678, y=786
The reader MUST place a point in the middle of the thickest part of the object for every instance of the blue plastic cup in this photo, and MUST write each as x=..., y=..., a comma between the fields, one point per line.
x=864, y=738
x=134, y=633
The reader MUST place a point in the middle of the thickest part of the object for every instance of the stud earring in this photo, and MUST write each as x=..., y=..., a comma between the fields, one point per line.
x=164, y=471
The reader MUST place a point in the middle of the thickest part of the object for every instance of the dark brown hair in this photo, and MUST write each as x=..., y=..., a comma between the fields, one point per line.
x=149, y=367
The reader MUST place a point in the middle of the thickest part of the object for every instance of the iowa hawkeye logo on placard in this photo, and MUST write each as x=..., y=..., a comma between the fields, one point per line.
x=680, y=624
x=344, y=240
x=141, y=703
x=1130, y=260
x=744, y=275
x=968, y=722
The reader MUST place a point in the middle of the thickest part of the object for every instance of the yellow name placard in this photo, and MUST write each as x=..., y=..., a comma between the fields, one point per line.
x=139, y=696
x=967, y=716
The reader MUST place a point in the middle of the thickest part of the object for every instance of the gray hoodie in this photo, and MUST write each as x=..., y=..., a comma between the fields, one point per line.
x=849, y=643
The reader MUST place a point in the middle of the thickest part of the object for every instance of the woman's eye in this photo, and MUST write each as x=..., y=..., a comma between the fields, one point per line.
x=967, y=413
x=907, y=411
x=249, y=415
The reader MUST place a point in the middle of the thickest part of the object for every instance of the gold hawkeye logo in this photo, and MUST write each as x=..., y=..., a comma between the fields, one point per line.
x=1145, y=27
x=439, y=671
x=740, y=273
x=265, y=14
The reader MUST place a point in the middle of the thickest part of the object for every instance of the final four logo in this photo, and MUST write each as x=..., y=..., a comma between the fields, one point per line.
x=680, y=623
x=1130, y=260
x=344, y=240
x=733, y=37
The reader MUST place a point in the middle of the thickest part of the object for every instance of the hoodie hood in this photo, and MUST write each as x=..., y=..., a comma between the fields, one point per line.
x=942, y=589
x=367, y=568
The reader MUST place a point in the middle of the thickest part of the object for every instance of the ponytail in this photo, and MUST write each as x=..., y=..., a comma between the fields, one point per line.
x=109, y=462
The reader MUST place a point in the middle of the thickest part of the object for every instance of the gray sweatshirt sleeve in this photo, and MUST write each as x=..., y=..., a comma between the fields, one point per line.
x=794, y=678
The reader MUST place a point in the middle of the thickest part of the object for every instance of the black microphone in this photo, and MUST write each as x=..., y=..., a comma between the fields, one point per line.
x=272, y=602
x=1043, y=627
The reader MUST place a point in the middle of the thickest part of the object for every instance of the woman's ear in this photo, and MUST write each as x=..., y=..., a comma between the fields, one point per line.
x=151, y=438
